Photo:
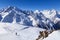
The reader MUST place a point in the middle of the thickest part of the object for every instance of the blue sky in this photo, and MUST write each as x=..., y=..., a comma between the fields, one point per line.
x=31, y=4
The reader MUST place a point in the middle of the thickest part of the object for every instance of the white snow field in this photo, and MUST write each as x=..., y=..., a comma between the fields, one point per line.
x=14, y=31
x=54, y=36
x=11, y=31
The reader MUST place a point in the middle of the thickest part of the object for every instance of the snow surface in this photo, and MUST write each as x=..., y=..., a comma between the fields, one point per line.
x=9, y=30
x=54, y=36
x=2, y=31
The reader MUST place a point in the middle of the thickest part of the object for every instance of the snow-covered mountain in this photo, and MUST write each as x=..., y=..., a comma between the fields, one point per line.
x=44, y=19
x=26, y=24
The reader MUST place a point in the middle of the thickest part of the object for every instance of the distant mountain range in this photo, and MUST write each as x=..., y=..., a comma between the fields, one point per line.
x=46, y=19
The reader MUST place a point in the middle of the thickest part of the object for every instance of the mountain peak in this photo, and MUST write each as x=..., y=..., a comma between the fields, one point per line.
x=36, y=11
x=9, y=8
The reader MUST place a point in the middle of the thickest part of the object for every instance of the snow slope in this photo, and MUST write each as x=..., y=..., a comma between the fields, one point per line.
x=54, y=36
x=2, y=31
x=9, y=30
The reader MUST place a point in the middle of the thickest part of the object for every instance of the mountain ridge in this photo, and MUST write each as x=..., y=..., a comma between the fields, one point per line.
x=44, y=19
